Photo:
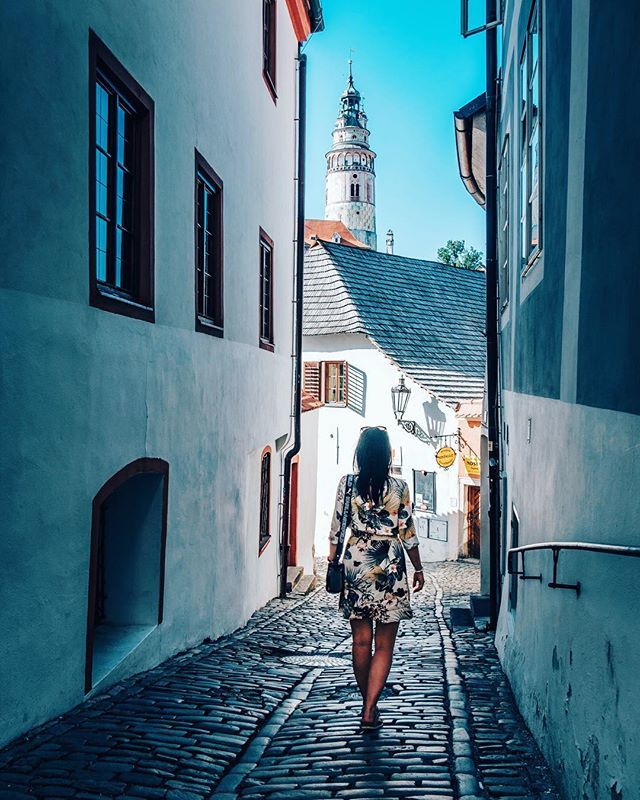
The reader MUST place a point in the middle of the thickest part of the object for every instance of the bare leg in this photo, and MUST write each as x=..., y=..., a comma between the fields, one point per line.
x=362, y=630
x=385, y=639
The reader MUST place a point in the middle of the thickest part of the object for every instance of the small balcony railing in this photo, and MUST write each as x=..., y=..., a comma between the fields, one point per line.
x=516, y=554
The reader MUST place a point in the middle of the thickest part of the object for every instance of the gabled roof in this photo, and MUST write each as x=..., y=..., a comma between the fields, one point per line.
x=327, y=230
x=425, y=316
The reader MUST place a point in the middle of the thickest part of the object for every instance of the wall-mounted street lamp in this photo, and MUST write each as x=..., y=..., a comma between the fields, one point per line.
x=400, y=399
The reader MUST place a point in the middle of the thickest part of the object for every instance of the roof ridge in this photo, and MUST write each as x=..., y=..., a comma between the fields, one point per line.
x=375, y=254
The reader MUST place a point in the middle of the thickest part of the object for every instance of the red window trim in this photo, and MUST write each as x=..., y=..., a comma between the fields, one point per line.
x=263, y=542
x=141, y=306
x=269, y=71
x=137, y=467
x=266, y=344
x=214, y=327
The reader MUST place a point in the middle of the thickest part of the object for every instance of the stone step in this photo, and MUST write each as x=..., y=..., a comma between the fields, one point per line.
x=293, y=576
x=306, y=584
x=480, y=611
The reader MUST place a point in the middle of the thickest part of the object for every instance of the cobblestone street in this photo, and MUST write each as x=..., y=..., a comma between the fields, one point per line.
x=271, y=711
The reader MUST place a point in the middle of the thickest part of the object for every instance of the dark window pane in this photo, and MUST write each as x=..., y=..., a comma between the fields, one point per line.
x=101, y=249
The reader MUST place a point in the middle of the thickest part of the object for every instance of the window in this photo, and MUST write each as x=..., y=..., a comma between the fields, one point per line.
x=530, y=139
x=266, y=291
x=424, y=490
x=355, y=190
x=269, y=45
x=265, y=495
x=121, y=188
x=330, y=382
x=208, y=249
x=504, y=200
x=335, y=383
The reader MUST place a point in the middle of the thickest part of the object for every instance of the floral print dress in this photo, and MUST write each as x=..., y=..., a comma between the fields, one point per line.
x=376, y=585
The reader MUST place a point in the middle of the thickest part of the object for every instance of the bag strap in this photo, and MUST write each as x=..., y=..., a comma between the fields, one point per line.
x=346, y=515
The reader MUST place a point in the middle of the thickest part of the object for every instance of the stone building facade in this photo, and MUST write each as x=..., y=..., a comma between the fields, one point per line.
x=569, y=293
x=145, y=320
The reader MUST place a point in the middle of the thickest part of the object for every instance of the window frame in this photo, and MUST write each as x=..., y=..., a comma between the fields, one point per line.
x=266, y=243
x=529, y=127
x=269, y=46
x=504, y=222
x=264, y=523
x=423, y=507
x=339, y=403
x=140, y=302
x=214, y=326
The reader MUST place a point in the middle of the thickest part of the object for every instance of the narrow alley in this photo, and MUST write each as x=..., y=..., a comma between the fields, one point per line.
x=271, y=711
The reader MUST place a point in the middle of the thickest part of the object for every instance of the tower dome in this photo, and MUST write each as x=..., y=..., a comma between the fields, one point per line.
x=350, y=180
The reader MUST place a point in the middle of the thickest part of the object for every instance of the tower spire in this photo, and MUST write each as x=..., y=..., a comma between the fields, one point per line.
x=350, y=182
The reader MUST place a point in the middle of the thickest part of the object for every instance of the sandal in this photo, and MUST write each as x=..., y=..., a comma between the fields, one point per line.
x=374, y=724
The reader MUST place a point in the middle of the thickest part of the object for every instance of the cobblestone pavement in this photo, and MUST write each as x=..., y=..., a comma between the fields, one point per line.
x=272, y=710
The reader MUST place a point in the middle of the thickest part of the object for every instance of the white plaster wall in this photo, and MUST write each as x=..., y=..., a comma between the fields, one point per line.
x=572, y=661
x=307, y=477
x=85, y=391
x=339, y=429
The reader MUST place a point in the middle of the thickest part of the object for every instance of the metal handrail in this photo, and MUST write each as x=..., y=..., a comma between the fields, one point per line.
x=556, y=547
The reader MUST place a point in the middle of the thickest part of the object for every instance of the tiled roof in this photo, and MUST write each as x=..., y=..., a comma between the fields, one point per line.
x=425, y=316
x=327, y=229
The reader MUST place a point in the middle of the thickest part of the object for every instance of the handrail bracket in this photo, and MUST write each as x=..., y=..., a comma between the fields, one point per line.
x=523, y=574
x=554, y=583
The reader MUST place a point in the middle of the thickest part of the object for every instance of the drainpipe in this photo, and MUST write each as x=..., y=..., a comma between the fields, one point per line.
x=297, y=349
x=492, y=314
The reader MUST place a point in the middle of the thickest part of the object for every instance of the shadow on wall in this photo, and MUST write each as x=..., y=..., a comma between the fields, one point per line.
x=357, y=393
x=434, y=417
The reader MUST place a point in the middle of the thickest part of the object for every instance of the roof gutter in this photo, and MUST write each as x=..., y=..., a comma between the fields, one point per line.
x=297, y=336
x=463, y=124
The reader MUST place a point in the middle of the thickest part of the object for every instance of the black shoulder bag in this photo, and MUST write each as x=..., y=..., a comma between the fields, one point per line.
x=335, y=570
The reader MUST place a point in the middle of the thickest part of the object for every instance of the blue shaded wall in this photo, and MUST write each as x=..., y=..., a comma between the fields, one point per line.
x=609, y=345
x=539, y=317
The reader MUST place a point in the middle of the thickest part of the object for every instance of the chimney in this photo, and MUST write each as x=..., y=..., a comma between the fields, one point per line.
x=390, y=242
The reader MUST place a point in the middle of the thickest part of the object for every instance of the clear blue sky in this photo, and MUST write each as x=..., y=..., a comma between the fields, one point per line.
x=413, y=69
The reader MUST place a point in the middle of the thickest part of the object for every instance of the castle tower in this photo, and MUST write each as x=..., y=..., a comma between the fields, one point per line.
x=350, y=192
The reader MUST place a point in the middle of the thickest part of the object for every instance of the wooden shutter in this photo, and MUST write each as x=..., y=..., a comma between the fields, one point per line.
x=312, y=378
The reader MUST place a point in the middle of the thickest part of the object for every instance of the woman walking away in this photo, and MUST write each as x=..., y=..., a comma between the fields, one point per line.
x=375, y=587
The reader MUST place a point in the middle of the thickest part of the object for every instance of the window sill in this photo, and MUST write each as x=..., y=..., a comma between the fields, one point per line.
x=105, y=298
x=264, y=345
x=204, y=325
x=263, y=546
x=270, y=86
x=533, y=260
x=334, y=405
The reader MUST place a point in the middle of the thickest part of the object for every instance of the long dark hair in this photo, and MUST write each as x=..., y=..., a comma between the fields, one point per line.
x=372, y=462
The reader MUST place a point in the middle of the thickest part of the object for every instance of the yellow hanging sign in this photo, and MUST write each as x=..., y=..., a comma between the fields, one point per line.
x=472, y=463
x=445, y=457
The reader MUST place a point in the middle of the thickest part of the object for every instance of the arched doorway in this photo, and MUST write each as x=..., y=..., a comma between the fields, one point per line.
x=126, y=570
